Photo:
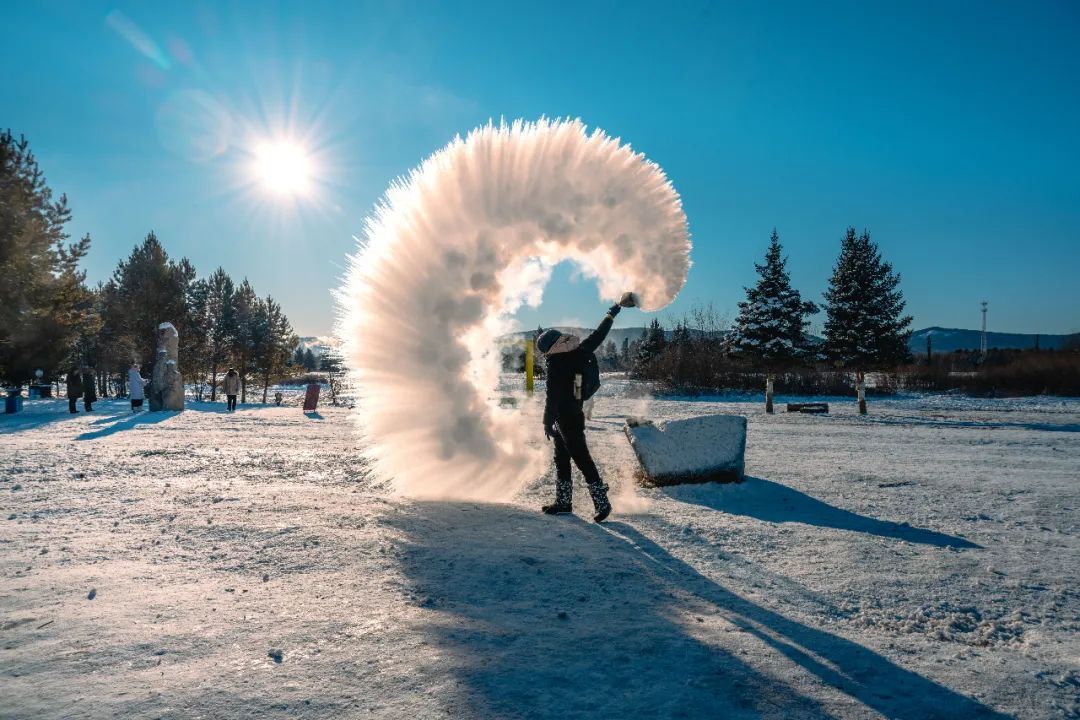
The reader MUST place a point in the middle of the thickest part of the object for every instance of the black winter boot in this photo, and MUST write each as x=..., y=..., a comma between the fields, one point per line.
x=600, y=502
x=557, y=508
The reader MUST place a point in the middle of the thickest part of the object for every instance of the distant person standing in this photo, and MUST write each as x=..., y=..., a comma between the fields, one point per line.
x=89, y=386
x=230, y=385
x=74, y=388
x=136, y=387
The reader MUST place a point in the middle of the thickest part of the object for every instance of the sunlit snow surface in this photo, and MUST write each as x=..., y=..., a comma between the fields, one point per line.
x=918, y=562
x=456, y=246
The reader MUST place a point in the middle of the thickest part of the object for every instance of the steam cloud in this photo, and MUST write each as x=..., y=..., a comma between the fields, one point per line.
x=451, y=252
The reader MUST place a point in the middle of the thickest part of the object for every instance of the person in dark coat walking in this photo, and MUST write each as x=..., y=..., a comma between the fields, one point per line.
x=74, y=388
x=564, y=419
x=89, y=386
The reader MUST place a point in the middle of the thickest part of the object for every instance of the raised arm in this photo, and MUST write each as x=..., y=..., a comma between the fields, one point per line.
x=596, y=337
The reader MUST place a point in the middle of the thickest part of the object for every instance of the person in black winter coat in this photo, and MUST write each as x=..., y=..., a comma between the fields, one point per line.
x=74, y=388
x=564, y=418
x=89, y=388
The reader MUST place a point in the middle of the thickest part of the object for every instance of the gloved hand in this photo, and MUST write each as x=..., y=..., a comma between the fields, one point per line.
x=613, y=310
x=549, y=431
x=628, y=299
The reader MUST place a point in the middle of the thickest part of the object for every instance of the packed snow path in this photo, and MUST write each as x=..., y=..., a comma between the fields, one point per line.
x=919, y=562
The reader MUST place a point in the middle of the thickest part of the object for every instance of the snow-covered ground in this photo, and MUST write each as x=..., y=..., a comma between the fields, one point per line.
x=922, y=561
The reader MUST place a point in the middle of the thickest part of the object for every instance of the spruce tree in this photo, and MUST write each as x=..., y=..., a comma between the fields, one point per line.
x=652, y=344
x=309, y=362
x=609, y=356
x=865, y=327
x=680, y=336
x=771, y=327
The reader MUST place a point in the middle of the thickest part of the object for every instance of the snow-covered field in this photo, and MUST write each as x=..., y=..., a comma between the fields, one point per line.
x=922, y=561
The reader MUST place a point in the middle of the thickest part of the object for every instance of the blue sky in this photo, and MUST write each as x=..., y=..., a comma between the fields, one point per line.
x=949, y=129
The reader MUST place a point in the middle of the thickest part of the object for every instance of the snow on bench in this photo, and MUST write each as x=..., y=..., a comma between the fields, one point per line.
x=695, y=450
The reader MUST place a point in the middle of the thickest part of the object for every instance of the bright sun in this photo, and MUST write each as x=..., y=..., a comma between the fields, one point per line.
x=283, y=168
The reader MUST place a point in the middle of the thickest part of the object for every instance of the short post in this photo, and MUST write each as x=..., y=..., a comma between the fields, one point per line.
x=528, y=366
x=860, y=390
x=769, y=394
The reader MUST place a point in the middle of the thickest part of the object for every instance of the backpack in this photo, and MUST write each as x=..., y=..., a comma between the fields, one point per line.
x=590, y=376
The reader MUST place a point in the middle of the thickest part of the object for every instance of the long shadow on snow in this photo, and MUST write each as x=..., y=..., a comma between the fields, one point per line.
x=498, y=577
x=36, y=414
x=118, y=423
x=772, y=502
x=870, y=678
x=126, y=420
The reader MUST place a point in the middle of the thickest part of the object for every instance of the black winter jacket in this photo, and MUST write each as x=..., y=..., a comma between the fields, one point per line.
x=74, y=385
x=89, y=386
x=561, y=368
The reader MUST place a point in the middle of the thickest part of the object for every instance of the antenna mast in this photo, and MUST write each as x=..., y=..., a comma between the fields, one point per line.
x=982, y=340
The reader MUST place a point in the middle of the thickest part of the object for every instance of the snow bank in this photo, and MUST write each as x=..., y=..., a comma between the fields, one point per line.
x=458, y=245
x=700, y=449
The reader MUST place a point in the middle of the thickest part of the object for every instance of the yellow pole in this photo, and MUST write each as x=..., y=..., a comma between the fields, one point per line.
x=528, y=365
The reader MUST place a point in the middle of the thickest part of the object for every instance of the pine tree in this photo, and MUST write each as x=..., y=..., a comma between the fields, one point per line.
x=310, y=362
x=43, y=301
x=151, y=289
x=653, y=343
x=681, y=337
x=273, y=340
x=106, y=341
x=865, y=327
x=195, y=349
x=771, y=326
x=246, y=312
x=220, y=322
x=609, y=356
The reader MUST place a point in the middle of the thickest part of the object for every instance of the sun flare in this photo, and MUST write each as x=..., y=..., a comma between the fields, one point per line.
x=283, y=168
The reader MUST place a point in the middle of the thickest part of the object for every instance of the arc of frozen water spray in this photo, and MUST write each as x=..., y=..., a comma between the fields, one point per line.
x=454, y=248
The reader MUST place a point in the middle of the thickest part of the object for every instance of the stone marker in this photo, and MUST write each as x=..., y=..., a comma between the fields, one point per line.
x=695, y=450
x=311, y=397
x=166, y=385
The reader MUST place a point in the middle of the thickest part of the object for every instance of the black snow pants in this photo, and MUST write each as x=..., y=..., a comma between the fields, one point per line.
x=570, y=445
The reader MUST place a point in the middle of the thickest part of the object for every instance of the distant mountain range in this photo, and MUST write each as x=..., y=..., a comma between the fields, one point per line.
x=617, y=335
x=949, y=339
x=943, y=339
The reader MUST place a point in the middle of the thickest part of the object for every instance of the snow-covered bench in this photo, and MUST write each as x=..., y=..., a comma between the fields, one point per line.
x=695, y=450
x=813, y=408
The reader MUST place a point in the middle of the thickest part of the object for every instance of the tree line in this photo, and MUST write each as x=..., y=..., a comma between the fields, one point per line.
x=865, y=330
x=50, y=319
